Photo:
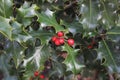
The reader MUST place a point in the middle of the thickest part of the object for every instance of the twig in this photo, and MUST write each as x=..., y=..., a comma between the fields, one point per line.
x=70, y=4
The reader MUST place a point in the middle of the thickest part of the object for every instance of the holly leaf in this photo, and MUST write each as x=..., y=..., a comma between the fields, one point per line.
x=5, y=27
x=114, y=33
x=57, y=67
x=70, y=61
x=6, y=68
x=107, y=51
x=6, y=8
x=16, y=51
x=108, y=15
x=25, y=13
x=30, y=68
x=41, y=54
x=49, y=20
x=89, y=10
x=28, y=11
x=102, y=12
x=74, y=27
x=36, y=62
x=44, y=36
x=18, y=33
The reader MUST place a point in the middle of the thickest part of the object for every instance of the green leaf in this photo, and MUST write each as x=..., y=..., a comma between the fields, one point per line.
x=16, y=50
x=89, y=11
x=6, y=68
x=49, y=20
x=5, y=27
x=102, y=12
x=108, y=16
x=18, y=33
x=25, y=13
x=43, y=52
x=57, y=66
x=70, y=61
x=28, y=11
x=6, y=8
x=44, y=36
x=114, y=33
x=108, y=54
x=30, y=68
x=35, y=62
x=74, y=27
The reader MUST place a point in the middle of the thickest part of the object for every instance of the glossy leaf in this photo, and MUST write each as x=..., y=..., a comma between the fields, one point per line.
x=49, y=20
x=35, y=62
x=30, y=69
x=108, y=15
x=89, y=9
x=6, y=8
x=42, y=54
x=5, y=27
x=114, y=33
x=44, y=36
x=110, y=60
x=74, y=27
x=5, y=67
x=70, y=61
x=16, y=50
x=18, y=33
x=25, y=13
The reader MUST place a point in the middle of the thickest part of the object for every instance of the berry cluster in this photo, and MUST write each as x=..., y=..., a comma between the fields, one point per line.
x=60, y=40
x=36, y=74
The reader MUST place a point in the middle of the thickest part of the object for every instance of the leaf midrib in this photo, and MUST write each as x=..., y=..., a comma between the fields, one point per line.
x=69, y=52
x=90, y=10
x=109, y=52
x=108, y=17
x=113, y=33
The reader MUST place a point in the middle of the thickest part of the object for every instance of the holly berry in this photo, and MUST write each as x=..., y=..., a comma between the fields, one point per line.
x=60, y=34
x=54, y=38
x=42, y=76
x=70, y=42
x=36, y=73
x=57, y=42
x=89, y=46
x=61, y=40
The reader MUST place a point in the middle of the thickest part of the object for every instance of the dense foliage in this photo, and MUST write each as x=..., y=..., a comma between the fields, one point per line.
x=59, y=39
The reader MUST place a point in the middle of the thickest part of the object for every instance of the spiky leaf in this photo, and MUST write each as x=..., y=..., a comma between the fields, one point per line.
x=70, y=61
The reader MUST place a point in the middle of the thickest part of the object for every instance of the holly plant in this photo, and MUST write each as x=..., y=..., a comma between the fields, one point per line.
x=59, y=39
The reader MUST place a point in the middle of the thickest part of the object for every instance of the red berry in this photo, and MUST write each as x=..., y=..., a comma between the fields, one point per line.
x=61, y=40
x=54, y=38
x=89, y=46
x=36, y=73
x=60, y=34
x=70, y=42
x=42, y=76
x=57, y=42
